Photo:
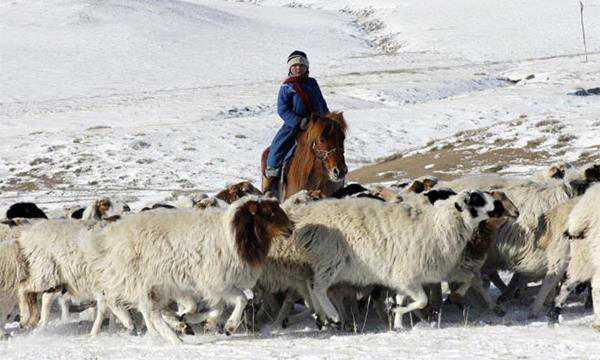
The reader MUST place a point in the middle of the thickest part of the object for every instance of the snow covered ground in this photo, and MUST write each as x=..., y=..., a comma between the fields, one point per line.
x=145, y=99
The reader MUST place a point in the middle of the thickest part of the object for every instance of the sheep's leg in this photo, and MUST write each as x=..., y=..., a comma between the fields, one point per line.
x=211, y=315
x=354, y=310
x=149, y=306
x=35, y=310
x=29, y=308
x=100, y=314
x=380, y=308
x=24, y=309
x=63, y=302
x=477, y=285
x=559, y=300
x=596, y=300
x=177, y=322
x=305, y=294
x=186, y=305
x=320, y=295
x=267, y=305
x=298, y=317
x=435, y=297
x=497, y=281
x=237, y=298
x=161, y=326
x=548, y=284
x=337, y=296
x=400, y=299
x=517, y=282
x=319, y=313
x=3, y=315
x=47, y=300
x=286, y=308
x=123, y=315
x=589, y=300
x=419, y=301
x=145, y=310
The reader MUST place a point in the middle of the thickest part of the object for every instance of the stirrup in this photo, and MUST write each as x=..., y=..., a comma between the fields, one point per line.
x=271, y=173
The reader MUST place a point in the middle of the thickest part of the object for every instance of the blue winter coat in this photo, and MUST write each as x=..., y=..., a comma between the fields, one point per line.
x=292, y=111
x=290, y=106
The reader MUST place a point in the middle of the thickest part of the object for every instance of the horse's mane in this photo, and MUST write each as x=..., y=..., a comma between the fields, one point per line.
x=329, y=124
x=318, y=125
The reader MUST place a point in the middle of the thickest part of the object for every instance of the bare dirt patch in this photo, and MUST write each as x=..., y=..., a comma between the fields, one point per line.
x=465, y=153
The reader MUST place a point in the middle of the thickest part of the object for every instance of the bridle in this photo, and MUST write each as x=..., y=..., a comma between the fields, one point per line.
x=323, y=154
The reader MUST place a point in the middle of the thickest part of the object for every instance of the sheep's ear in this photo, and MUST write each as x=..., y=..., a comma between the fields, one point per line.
x=252, y=207
x=556, y=173
x=592, y=174
x=460, y=209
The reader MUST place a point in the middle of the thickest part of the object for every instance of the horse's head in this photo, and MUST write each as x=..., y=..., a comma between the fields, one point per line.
x=325, y=137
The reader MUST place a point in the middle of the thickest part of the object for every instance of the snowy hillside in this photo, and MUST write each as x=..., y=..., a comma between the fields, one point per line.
x=145, y=99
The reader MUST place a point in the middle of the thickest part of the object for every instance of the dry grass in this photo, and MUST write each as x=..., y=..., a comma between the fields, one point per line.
x=532, y=144
x=547, y=122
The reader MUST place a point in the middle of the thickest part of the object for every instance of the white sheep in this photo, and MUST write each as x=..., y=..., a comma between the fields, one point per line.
x=58, y=259
x=468, y=271
x=583, y=229
x=520, y=243
x=217, y=254
x=13, y=269
x=364, y=242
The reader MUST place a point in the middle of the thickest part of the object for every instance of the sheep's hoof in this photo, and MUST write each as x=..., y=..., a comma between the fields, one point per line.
x=230, y=328
x=553, y=315
x=321, y=325
x=336, y=325
x=186, y=329
x=400, y=328
x=499, y=311
x=213, y=326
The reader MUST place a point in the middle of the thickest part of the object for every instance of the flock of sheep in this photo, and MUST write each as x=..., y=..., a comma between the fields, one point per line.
x=391, y=245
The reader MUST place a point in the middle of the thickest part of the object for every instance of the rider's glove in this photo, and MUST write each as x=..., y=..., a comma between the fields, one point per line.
x=303, y=123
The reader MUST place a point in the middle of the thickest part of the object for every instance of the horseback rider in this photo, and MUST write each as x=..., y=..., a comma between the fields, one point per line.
x=299, y=97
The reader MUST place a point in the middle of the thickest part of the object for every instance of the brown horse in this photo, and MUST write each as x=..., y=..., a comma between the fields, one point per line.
x=318, y=162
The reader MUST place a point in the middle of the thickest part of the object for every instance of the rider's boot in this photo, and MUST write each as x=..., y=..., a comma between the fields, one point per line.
x=271, y=185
